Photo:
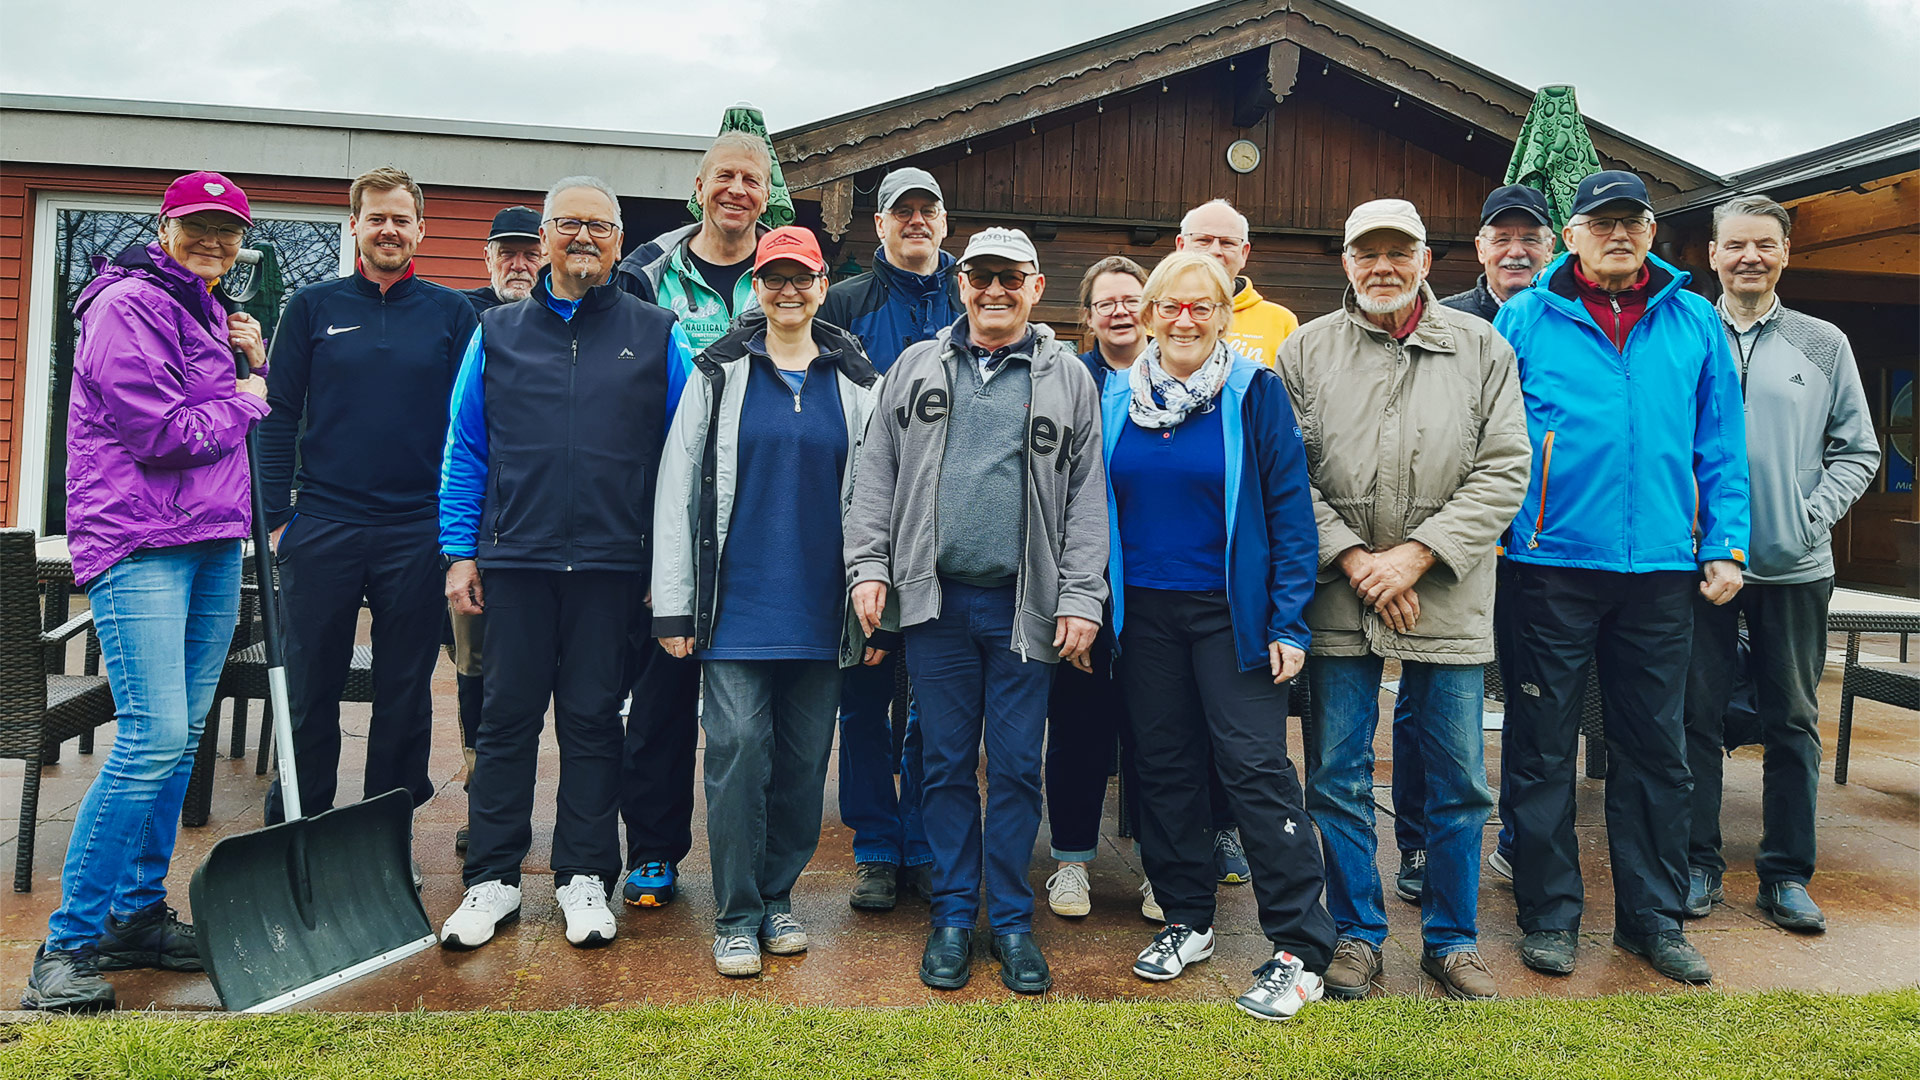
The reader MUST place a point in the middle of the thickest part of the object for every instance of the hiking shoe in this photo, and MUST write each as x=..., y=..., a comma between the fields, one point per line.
x=1067, y=891
x=1230, y=859
x=66, y=980
x=1703, y=891
x=1354, y=966
x=1281, y=987
x=781, y=934
x=154, y=938
x=1149, y=907
x=460, y=840
x=917, y=881
x=481, y=911
x=650, y=885
x=584, y=902
x=736, y=955
x=1670, y=954
x=1787, y=904
x=1411, y=881
x=1023, y=969
x=1549, y=952
x=1463, y=975
x=1500, y=864
x=876, y=886
x=1171, y=950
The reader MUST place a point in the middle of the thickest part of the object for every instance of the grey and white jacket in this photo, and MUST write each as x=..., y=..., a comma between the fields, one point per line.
x=1811, y=450
x=892, y=530
x=693, y=507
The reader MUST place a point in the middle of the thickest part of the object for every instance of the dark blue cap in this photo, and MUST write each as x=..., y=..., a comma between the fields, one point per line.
x=1602, y=188
x=1515, y=197
x=515, y=222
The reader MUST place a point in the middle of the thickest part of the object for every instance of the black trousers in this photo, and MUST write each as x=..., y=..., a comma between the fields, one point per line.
x=1638, y=629
x=560, y=637
x=1084, y=715
x=663, y=729
x=1185, y=692
x=326, y=568
x=1787, y=629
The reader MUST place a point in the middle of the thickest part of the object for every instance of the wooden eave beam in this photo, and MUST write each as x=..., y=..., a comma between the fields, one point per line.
x=1847, y=218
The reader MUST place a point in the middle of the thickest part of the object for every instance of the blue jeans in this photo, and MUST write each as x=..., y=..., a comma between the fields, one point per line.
x=1446, y=702
x=165, y=617
x=972, y=687
x=885, y=823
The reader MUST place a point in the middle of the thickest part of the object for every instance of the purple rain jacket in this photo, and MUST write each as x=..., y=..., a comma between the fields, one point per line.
x=156, y=430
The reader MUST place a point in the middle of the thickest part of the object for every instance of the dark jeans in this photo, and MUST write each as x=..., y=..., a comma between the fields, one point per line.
x=1638, y=630
x=656, y=773
x=1185, y=692
x=769, y=730
x=559, y=637
x=973, y=688
x=1787, y=629
x=885, y=821
x=1084, y=716
x=326, y=567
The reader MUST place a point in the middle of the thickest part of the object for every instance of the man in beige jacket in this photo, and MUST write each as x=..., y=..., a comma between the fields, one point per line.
x=1418, y=454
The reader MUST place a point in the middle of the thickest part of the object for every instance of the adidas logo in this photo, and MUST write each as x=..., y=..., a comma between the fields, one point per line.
x=625, y=354
x=1797, y=380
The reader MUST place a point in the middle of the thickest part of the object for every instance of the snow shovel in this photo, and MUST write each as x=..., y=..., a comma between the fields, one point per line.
x=295, y=909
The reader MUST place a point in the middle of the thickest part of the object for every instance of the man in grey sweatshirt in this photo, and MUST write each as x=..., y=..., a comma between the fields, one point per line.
x=1811, y=452
x=979, y=528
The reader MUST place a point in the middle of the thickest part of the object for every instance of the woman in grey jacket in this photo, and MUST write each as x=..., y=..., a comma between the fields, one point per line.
x=748, y=575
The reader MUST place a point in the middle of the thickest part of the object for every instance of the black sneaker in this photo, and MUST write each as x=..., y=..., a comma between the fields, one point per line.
x=460, y=840
x=1411, y=881
x=155, y=938
x=66, y=981
x=1549, y=952
x=1703, y=891
x=876, y=886
x=1670, y=954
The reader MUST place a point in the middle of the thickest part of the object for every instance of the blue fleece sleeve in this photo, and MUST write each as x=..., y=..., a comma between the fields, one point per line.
x=1720, y=453
x=463, y=468
x=679, y=368
x=1293, y=538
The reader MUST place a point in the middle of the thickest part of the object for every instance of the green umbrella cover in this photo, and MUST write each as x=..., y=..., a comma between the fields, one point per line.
x=1553, y=153
x=744, y=117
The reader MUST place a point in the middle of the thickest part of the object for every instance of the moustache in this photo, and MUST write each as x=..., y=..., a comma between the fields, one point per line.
x=582, y=249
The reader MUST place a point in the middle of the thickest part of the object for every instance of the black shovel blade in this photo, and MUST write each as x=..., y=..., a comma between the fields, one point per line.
x=286, y=911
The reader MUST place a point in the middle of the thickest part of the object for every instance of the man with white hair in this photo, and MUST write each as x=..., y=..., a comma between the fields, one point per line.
x=514, y=258
x=1259, y=325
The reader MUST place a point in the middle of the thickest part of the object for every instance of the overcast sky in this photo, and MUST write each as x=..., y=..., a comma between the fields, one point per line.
x=1720, y=83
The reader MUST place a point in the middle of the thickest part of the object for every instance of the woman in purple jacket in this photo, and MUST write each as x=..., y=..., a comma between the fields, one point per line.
x=157, y=503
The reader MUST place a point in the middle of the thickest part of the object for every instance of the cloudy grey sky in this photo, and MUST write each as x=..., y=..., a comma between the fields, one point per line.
x=1723, y=84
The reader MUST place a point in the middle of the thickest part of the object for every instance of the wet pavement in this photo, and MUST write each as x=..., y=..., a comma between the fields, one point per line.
x=1868, y=883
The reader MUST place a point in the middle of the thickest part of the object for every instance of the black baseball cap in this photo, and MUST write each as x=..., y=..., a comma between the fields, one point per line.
x=1602, y=188
x=515, y=223
x=1515, y=197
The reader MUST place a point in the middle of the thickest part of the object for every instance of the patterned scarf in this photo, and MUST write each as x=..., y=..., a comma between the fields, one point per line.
x=1162, y=401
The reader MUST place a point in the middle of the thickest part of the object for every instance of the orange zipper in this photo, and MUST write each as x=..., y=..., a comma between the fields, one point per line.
x=1546, y=470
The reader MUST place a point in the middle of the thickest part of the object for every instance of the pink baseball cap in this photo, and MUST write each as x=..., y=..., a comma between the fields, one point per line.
x=790, y=242
x=205, y=191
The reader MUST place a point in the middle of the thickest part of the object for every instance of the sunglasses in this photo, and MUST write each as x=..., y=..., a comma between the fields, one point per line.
x=1011, y=280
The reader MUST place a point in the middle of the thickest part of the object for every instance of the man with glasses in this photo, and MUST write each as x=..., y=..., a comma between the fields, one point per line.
x=546, y=504
x=1637, y=502
x=1259, y=325
x=911, y=294
x=979, y=527
x=514, y=258
x=362, y=369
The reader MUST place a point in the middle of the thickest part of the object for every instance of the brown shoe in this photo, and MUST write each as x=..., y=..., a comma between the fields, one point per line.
x=1463, y=975
x=1355, y=965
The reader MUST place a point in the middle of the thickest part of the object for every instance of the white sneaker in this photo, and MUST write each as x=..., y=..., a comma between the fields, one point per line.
x=1171, y=951
x=1067, y=891
x=484, y=907
x=1498, y=864
x=1281, y=987
x=782, y=935
x=736, y=954
x=584, y=902
x=1149, y=907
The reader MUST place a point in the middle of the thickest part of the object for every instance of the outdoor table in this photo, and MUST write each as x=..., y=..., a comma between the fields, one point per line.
x=1870, y=613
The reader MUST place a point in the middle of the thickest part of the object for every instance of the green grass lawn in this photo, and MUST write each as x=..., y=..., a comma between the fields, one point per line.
x=1778, y=1036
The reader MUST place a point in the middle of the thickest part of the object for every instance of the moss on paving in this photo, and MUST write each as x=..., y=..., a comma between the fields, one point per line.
x=1673, y=1036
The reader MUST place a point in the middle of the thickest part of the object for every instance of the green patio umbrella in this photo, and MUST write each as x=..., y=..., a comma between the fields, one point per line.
x=744, y=117
x=1552, y=153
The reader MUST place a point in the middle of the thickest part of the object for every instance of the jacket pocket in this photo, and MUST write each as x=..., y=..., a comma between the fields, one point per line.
x=1546, y=474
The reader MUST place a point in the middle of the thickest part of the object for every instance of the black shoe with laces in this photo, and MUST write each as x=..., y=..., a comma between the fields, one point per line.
x=1411, y=881
x=154, y=938
x=876, y=886
x=66, y=981
x=1670, y=954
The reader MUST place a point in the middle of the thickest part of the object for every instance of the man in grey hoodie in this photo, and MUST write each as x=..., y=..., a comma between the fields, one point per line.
x=1811, y=452
x=979, y=528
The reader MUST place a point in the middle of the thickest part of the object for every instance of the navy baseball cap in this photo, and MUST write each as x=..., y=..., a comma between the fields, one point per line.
x=515, y=223
x=1515, y=197
x=1604, y=187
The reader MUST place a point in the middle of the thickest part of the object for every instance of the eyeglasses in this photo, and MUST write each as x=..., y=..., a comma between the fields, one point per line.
x=567, y=226
x=1604, y=226
x=1108, y=307
x=904, y=214
x=776, y=282
x=1011, y=280
x=228, y=235
x=1171, y=309
x=1202, y=240
x=1368, y=258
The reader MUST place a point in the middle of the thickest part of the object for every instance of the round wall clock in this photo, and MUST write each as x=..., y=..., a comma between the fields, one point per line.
x=1243, y=156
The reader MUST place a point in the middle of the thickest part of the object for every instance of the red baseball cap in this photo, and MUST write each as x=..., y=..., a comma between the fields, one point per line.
x=790, y=242
x=205, y=191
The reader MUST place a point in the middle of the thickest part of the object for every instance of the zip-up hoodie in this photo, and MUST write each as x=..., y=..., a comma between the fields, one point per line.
x=1259, y=324
x=888, y=308
x=1638, y=450
x=892, y=529
x=659, y=272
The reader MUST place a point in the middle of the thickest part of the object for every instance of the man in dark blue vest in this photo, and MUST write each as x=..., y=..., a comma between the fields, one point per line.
x=546, y=497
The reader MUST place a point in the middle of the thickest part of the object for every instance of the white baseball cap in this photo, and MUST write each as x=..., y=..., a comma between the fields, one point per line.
x=1006, y=243
x=1396, y=214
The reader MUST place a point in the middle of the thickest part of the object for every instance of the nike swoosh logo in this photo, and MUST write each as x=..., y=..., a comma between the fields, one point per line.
x=1604, y=188
x=332, y=329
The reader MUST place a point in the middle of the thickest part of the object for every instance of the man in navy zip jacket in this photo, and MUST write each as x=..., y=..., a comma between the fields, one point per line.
x=367, y=363
x=546, y=502
x=1637, y=500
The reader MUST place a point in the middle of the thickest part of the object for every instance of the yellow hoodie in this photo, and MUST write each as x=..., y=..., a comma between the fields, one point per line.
x=1259, y=326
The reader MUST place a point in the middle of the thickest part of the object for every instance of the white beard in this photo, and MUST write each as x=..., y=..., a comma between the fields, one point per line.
x=1388, y=306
